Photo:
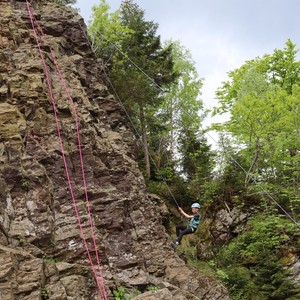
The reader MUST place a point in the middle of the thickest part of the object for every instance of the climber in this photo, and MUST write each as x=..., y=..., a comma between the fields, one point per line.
x=194, y=221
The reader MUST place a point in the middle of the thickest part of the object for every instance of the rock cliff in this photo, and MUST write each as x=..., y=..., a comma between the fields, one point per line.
x=41, y=250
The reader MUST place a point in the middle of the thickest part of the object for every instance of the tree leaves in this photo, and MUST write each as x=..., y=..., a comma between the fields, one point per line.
x=158, y=83
x=262, y=98
x=255, y=255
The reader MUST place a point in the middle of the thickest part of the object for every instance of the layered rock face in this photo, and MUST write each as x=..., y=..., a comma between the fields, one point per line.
x=42, y=255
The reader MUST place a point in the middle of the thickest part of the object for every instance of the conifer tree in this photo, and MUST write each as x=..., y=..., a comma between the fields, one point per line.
x=140, y=67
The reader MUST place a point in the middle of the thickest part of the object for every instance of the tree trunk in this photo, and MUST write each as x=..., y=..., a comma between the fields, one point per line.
x=249, y=176
x=145, y=141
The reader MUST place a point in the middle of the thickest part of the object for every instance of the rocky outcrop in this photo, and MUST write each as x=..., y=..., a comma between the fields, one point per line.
x=41, y=250
x=220, y=229
x=163, y=294
x=295, y=270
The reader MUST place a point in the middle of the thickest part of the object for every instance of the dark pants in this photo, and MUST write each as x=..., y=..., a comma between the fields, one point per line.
x=181, y=230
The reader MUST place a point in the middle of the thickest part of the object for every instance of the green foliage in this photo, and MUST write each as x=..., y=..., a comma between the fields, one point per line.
x=25, y=184
x=182, y=102
x=212, y=190
x=21, y=240
x=152, y=288
x=158, y=84
x=119, y=294
x=139, y=67
x=50, y=260
x=183, y=105
x=122, y=294
x=262, y=97
x=222, y=275
x=196, y=155
x=44, y=294
x=284, y=69
x=107, y=32
x=252, y=262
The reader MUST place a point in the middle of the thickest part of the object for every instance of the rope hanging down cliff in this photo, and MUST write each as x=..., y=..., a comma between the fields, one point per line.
x=100, y=284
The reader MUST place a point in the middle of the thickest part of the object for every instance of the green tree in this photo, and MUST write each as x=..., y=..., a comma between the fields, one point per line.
x=254, y=262
x=196, y=156
x=107, y=33
x=140, y=69
x=284, y=69
x=262, y=99
x=184, y=110
x=182, y=103
x=144, y=46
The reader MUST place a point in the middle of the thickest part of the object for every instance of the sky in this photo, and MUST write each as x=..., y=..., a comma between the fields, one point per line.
x=220, y=34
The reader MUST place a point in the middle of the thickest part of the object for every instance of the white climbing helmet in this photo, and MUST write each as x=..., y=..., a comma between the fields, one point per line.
x=195, y=205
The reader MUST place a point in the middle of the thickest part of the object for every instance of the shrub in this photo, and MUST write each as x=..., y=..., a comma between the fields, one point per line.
x=119, y=294
x=253, y=260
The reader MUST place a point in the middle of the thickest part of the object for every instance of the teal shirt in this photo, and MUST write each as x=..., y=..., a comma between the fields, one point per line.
x=195, y=221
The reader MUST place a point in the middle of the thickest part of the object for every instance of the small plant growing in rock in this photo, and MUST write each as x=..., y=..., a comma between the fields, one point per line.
x=44, y=294
x=22, y=241
x=119, y=294
x=152, y=288
x=25, y=184
x=222, y=275
x=50, y=260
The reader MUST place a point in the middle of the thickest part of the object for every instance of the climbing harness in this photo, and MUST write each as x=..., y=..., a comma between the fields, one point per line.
x=34, y=23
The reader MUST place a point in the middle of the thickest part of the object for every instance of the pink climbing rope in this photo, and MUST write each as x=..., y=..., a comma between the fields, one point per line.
x=101, y=286
x=79, y=148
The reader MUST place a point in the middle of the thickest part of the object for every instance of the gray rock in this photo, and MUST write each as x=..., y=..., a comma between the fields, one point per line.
x=163, y=294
